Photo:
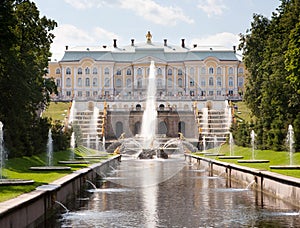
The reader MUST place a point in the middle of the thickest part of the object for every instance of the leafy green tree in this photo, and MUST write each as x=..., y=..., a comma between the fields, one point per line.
x=25, y=40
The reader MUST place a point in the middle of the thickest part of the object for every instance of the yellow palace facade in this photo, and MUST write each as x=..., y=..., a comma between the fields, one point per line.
x=120, y=72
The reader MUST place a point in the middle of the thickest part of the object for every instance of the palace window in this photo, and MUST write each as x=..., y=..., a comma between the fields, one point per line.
x=159, y=71
x=210, y=93
x=87, y=93
x=68, y=70
x=106, y=71
x=119, y=72
x=57, y=71
x=159, y=83
x=203, y=82
x=219, y=81
x=192, y=71
x=87, y=82
x=128, y=83
x=79, y=93
x=79, y=81
x=170, y=72
x=230, y=81
x=139, y=71
x=240, y=81
x=128, y=72
x=219, y=93
x=180, y=82
x=169, y=82
x=95, y=71
x=106, y=82
x=79, y=70
x=58, y=82
x=179, y=72
x=192, y=82
x=68, y=82
x=203, y=70
x=118, y=82
x=211, y=81
x=139, y=83
x=95, y=82
x=230, y=70
x=68, y=93
x=211, y=70
x=87, y=70
x=219, y=70
x=241, y=70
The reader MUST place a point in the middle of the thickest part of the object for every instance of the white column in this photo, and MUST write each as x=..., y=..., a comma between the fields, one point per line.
x=63, y=81
x=74, y=82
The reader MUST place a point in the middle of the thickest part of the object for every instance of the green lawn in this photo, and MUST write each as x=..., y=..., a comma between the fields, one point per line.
x=18, y=168
x=275, y=157
x=57, y=110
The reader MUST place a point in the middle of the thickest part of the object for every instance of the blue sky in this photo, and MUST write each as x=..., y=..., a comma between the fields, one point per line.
x=202, y=22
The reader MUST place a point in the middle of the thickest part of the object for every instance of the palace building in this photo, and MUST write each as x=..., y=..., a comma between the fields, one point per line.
x=120, y=72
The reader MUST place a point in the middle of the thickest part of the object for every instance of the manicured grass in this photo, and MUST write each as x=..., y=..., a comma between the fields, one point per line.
x=275, y=157
x=243, y=112
x=57, y=110
x=18, y=168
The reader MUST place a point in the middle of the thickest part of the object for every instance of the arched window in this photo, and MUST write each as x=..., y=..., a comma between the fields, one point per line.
x=95, y=70
x=139, y=71
x=230, y=81
x=169, y=82
x=192, y=71
x=106, y=82
x=159, y=71
x=128, y=83
x=230, y=70
x=128, y=72
x=68, y=70
x=241, y=70
x=119, y=72
x=79, y=71
x=203, y=82
x=219, y=81
x=179, y=71
x=106, y=71
x=170, y=72
x=87, y=70
x=203, y=70
x=87, y=82
x=219, y=70
x=211, y=81
x=95, y=82
x=57, y=71
x=211, y=70
x=68, y=82
x=79, y=81
x=240, y=81
x=58, y=82
x=118, y=82
x=139, y=83
x=180, y=82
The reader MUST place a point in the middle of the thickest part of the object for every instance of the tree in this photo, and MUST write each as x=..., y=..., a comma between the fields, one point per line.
x=25, y=40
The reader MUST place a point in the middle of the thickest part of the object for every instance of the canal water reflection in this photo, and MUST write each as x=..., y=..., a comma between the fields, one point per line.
x=172, y=193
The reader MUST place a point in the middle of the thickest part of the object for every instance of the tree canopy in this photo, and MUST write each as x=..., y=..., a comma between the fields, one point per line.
x=271, y=55
x=25, y=40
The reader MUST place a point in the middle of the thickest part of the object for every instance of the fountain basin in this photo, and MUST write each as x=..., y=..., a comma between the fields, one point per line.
x=284, y=167
x=253, y=161
x=231, y=157
x=74, y=162
x=50, y=168
x=212, y=154
x=6, y=182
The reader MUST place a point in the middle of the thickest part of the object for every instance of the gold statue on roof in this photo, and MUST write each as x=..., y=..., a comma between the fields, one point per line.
x=148, y=36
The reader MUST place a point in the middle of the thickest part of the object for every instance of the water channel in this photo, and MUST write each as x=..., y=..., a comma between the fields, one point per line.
x=173, y=193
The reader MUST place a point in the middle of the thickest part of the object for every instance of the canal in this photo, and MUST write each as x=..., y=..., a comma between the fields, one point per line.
x=173, y=193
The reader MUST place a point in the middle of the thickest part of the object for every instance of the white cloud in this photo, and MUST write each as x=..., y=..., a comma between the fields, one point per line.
x=224, y=39
x=148, y=9
x=70, y=35
x=156, y=13
x=212, y=7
